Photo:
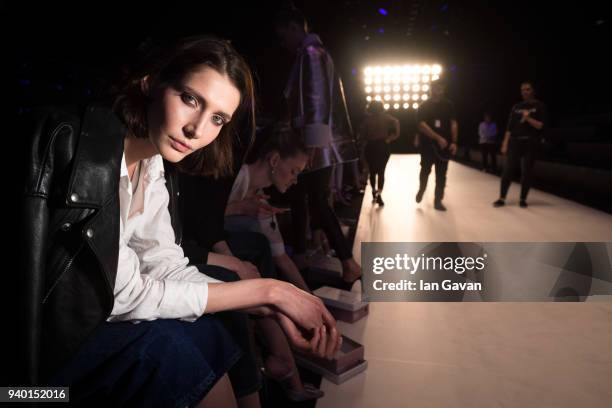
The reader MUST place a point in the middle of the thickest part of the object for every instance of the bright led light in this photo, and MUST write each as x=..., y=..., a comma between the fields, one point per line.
x=415, y=106
x=386, y=106
x=406, y=105
x=396, y=106
x=403, y=84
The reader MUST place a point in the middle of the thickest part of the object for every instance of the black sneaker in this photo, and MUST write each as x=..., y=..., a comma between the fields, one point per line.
x=379, y=200
x=499, y=203
x=439, y=206
x=419, y=196
x=523, y=204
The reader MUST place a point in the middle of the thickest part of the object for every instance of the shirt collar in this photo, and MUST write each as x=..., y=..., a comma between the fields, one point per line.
x=153, y=167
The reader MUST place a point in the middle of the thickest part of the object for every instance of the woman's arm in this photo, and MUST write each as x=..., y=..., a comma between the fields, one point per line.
x=235, y=208
x=429, y=132
x=291, y=306
x=395, y=134
x=239, y=295
x=303, y=308
x=252, y=206
x=290, y=271
x=245, y=270
x=222, y=247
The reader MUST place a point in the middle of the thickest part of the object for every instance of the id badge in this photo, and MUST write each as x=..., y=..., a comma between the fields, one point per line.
x=438, y=123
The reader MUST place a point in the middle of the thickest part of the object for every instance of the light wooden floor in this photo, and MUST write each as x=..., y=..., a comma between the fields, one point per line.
x=478, y=354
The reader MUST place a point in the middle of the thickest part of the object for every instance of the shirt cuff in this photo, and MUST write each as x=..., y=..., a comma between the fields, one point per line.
x=184, y=300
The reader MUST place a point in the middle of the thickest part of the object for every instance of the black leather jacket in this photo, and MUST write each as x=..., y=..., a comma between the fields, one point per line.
x=70, y=240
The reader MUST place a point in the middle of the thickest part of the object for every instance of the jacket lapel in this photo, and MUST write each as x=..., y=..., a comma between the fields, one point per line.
x=95, y=184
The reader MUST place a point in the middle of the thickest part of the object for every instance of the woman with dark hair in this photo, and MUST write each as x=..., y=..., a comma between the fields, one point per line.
x=99, y=250
x=378, y=129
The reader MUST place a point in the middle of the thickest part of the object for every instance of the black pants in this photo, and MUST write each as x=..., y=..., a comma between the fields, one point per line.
x=253, y=247
x=312, y=192
x=520, y=152
x=377, y=155
x=429, y=158
x=489, y=149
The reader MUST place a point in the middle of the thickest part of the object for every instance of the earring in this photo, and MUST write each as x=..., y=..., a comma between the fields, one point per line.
x=273, y=170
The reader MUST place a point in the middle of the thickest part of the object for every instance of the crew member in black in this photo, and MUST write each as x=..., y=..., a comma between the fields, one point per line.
x=437, y=124
x=378, y=129
x=525, y=126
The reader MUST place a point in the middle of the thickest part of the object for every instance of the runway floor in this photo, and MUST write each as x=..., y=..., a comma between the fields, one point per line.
x=478, y=354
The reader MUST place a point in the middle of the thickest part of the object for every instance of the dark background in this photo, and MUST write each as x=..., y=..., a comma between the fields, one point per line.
x=72, y=52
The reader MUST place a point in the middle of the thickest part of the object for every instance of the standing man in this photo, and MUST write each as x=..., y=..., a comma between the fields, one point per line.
x=316, y=102
x=523, y=133
x=487, y=138
x=437, y=124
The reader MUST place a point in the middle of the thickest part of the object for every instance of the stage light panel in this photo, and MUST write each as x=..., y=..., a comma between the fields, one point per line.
x=400, y=85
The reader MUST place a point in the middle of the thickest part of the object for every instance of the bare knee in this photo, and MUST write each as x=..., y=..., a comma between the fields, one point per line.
x=221, y=395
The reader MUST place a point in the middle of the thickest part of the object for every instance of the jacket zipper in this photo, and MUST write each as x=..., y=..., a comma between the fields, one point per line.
x=70, y=260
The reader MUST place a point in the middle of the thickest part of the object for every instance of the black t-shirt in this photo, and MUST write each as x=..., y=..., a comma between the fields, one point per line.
x=438, y=116
x=523, y=130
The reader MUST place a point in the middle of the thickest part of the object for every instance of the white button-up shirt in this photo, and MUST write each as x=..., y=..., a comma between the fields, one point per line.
x=153, y=279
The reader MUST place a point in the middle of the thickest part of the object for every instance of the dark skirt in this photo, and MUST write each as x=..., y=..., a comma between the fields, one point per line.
x=160, y=363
